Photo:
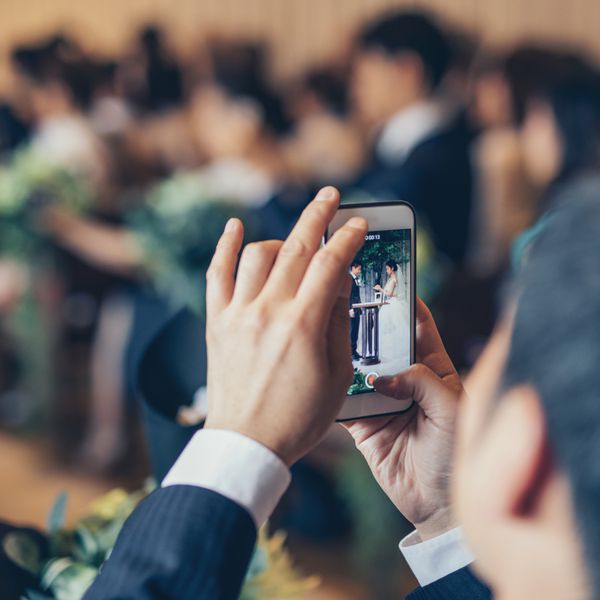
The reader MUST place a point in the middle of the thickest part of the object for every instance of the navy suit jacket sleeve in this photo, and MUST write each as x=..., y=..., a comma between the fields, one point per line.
x=181, y=542
x=460, y=585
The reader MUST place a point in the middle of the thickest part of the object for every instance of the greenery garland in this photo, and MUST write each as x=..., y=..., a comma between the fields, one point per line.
x=76, y=554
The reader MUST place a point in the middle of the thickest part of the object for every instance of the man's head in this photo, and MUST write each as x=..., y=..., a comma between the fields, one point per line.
x=400, y=59
x=356, y=268
x=528, y=474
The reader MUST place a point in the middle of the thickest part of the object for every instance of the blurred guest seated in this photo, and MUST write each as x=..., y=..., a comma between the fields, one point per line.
x=235, y=122
x=152, y=79
x=59, y=91
x=515, y=139
x=420, y=148
x=560, y=138
x=109, y=112
x=326, y=145
x=505, y=201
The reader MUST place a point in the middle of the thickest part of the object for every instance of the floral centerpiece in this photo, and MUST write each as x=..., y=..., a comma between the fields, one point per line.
x=76, y=554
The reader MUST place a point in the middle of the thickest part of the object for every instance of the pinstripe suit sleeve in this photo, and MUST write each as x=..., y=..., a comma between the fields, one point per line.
x=182, y=542
x=460, y=585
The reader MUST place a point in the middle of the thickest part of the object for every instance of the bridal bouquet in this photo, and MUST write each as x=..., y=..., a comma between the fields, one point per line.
x=73, y=557
x=179, y=227
x=28, y=183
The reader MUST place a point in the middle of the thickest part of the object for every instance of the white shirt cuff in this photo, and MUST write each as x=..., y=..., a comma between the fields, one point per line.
x=234, y=466
x=435, y=558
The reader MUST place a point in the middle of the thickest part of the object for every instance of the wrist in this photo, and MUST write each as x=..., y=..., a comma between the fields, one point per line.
x=438, y=523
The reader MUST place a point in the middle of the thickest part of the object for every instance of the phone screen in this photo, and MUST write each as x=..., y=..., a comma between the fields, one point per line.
x=380, y=308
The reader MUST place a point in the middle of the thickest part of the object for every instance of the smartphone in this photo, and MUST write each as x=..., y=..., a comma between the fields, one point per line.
x=382, y=305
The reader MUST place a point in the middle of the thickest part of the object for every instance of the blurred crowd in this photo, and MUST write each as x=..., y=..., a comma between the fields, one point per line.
x=482, y=141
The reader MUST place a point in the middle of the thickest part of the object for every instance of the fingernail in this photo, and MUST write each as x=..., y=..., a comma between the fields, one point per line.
x=357, y=223
x=327, y=193
x=231, y=225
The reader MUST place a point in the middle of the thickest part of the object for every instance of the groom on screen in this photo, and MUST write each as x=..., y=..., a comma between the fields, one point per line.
x=355, y=271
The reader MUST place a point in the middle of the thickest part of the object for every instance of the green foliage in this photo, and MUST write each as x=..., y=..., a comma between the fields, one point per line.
x=179, y=228
x=22, y=549
x=67, y=579
x=28, y=183
x=358, y=383
x=77, y=554
x=375, y=253
x=56, y=517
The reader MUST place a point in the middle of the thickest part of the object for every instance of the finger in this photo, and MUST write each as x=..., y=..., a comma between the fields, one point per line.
x=255, y=265
x=328, y=265
x=299, y=248
x=429, y=346
x=338, y=333
x=422, y=385
x=220, y=274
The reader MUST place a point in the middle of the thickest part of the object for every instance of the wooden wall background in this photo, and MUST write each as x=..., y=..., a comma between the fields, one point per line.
x=301, y=31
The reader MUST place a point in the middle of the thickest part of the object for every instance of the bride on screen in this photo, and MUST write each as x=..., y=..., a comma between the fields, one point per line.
x=393, y=316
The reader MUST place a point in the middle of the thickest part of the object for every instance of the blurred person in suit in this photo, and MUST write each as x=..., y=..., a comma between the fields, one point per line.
x=325, y=144
x=420, y=142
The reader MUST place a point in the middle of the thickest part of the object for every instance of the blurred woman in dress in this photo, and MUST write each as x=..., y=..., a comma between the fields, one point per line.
x=55, y=77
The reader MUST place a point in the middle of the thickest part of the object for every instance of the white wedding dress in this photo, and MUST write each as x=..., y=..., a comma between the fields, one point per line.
x=394, y=332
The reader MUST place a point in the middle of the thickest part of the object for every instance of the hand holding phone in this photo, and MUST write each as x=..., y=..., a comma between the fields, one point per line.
x=381, y=307
x=411, y=454
x=278, y=359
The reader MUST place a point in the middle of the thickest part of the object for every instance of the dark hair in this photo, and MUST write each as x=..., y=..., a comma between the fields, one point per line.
x=571, y=86
x=575, y=104
x=533, y=71
x=356, y=263
x=392, y=264
x=151, y=38
x=555, y=348
x=530, y=71
x=241, y=72
x=411, y=32
x=57, y=61
x=329, y=86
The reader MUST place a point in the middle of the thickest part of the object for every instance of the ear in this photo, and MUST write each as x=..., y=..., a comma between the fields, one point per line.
x=519, y=453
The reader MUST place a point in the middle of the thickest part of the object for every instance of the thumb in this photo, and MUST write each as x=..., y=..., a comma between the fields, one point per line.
x=422, y=385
